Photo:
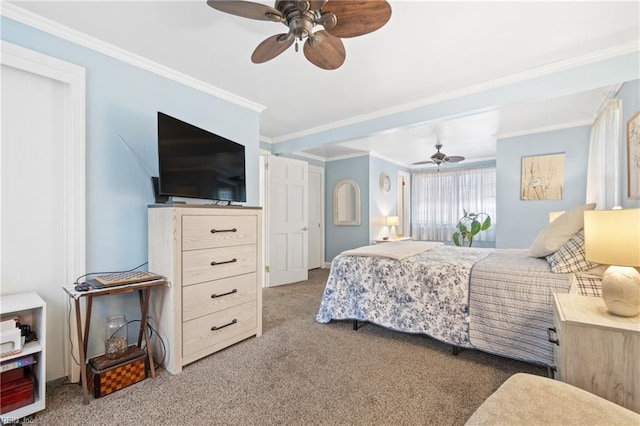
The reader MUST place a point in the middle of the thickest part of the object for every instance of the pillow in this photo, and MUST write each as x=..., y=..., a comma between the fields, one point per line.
x=558, y=232
x=570, y=257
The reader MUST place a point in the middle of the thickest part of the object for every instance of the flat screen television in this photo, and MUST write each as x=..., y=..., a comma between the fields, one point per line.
x=195, y=163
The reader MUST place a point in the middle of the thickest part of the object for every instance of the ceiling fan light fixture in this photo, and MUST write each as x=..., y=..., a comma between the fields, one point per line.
x=440, y=157
x=302, y=5
x=328, y=20
x=275, y=18
x=339, y=19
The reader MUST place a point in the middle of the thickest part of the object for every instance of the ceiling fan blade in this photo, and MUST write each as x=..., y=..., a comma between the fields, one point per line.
x=247, y=9
x=356, y=18
x=272, y=47
x=317, y=4
x=423, y=162
x=454, y=159
x=324, y=51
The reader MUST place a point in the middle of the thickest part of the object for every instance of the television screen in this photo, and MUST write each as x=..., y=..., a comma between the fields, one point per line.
x=195, y=163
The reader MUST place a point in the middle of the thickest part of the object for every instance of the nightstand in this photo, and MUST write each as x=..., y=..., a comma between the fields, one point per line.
x=597, y=351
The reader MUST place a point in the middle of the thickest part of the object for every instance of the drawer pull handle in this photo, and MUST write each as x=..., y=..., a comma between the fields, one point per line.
x=235, y=290
x=214, y=328
x=213, y=231
x=214, y=263
x=551, y=339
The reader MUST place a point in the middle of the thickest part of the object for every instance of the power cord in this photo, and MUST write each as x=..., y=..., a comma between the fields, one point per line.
x=153, y=331
x=151, y=334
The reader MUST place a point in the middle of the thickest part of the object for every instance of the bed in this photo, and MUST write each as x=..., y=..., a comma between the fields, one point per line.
x=495, y=300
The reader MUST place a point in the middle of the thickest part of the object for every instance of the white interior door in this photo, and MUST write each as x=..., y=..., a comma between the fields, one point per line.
x=42, y=187
x=288, y=220
x=316, y=217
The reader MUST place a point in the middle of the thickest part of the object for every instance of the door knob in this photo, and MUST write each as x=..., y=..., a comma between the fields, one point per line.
x=305, y=228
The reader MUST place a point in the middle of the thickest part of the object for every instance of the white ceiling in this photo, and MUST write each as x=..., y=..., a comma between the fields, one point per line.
x=448, y=58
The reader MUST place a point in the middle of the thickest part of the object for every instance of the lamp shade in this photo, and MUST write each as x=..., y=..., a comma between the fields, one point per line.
x=393, y=221
x=612, y=237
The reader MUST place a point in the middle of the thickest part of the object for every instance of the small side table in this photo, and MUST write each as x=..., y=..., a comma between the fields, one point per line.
x=596, y=350
x=144, y=291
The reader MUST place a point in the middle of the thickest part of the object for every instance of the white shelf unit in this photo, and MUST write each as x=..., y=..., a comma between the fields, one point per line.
x=32, y=310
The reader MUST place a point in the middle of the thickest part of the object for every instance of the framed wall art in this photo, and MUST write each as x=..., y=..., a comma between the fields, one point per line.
x=633, y=156
x=542, y=177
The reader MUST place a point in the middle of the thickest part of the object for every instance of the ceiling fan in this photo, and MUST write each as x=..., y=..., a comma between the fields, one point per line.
x=440, y=158
x=323, y=48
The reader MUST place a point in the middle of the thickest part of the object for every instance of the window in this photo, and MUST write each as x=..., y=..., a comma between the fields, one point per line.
x=439, y=198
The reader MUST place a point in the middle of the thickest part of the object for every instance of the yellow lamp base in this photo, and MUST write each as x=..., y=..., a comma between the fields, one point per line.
x=621, y=290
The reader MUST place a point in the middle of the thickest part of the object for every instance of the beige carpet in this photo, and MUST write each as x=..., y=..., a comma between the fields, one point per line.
x=302, y=373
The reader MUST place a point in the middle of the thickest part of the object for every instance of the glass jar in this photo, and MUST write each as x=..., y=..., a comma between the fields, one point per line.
x=115, y=342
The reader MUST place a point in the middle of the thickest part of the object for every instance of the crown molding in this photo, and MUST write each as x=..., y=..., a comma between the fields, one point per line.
x=388, y=160
x=582, y=60
x=309, y=156
x=39, y=22
x=347, y=156
x=568, y=125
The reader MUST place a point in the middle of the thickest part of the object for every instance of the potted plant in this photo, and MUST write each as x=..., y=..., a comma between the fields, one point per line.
x=469, y=226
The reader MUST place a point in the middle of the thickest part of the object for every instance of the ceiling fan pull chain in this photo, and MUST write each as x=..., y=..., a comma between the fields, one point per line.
x=296, y=45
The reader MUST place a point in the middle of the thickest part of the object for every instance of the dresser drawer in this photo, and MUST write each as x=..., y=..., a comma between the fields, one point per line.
x=212, y=296
x=218, y=231
x=198, y=334
x=203, y=265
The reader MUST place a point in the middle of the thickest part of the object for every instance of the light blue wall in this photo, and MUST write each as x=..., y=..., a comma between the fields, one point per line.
x=340, y=238
x=629, y=93
x=123, y=100
x=382, y=204
x=520, y=221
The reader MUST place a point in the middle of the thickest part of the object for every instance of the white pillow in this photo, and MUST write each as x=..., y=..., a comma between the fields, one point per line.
x=558, y=232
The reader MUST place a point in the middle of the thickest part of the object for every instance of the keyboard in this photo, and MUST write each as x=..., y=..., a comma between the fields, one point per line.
x=123, y=278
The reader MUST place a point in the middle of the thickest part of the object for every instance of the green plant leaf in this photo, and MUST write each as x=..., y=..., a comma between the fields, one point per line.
x=456, y=238
x=475, y=227
x=486, y=224
x=464, y=213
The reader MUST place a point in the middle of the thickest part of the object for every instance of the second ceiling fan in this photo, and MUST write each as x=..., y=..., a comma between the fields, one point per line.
x=323, y=48
x=440, y=158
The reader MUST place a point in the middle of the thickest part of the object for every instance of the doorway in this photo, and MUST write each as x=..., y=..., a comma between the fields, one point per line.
x=287, y=220
x=42, y=183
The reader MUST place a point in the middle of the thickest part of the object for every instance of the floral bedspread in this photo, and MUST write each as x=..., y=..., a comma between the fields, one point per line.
x=427, y=293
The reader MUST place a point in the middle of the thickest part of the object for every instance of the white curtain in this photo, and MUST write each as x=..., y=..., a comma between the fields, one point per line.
x=603, y=169
x=440, y=197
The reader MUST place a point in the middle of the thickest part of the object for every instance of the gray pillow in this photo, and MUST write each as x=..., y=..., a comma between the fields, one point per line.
x=558, y=232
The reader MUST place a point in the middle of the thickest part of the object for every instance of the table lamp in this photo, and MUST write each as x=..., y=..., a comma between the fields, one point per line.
x=612, y=237
x=393, y=221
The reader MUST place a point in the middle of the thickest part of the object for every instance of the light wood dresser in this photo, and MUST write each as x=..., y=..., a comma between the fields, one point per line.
x=211, y=257
x=597, y=351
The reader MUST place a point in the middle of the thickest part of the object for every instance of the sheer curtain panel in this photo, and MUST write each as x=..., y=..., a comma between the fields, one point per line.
x=603, y=170
x=439, y=198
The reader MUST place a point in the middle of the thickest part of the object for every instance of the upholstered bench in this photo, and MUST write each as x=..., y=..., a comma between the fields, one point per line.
x=525, y=399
